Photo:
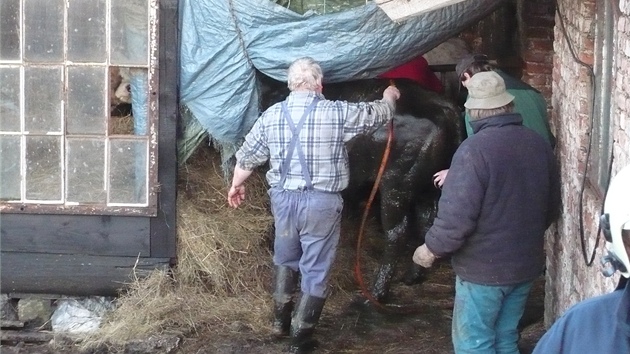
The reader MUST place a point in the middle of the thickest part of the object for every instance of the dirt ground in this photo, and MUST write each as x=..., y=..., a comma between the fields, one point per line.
x=355, y=327
x=416, y=320
x=421, y=324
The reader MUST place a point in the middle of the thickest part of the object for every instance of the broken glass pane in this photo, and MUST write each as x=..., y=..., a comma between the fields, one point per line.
x=86, y=31
x=128, y=171
x=9, y=167
x=86, y=171
x=10, y=99
x=43, y=95
x=138, y=86
x=43, y=28
x=10, y=30
x=43, y=167
x=86, y=112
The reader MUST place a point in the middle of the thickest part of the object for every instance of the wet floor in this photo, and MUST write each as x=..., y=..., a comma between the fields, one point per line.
x=418, y=322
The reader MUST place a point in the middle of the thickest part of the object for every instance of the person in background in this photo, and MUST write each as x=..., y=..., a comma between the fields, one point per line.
x=417, y=69
x=303, y=138
x=528, y=101
x=601, y=324
x=502, y=194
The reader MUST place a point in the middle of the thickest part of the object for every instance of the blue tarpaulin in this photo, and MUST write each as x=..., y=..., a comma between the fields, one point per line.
x=224, y=41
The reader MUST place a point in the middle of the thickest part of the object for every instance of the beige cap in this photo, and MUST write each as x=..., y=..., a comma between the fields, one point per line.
x=486, y=90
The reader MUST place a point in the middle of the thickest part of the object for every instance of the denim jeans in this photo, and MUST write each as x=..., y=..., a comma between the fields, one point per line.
x=485, y=318
x=308, y=224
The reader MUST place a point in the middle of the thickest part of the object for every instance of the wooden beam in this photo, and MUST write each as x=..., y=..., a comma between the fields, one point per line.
x=22, y=336
x=11, y=324
x=164, y=226
x=76, y=234
x=75, y=275
x=398, y=10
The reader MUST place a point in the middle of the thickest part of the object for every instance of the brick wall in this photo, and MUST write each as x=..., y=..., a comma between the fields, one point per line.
x=537, y=18
x=569, y=280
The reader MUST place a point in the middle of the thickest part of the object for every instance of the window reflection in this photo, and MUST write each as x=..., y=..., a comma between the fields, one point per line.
x=43, y=29
x=43, y=167
x=86, y=31
x=10, y=29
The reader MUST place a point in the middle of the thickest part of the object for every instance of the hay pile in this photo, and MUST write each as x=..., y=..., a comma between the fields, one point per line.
x=223, y=279
x=223, y=271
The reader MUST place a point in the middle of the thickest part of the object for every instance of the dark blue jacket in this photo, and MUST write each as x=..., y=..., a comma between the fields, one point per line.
x=598, y=325
x=501, y=193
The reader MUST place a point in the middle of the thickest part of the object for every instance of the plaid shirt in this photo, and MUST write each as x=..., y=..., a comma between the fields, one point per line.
x=322, y=138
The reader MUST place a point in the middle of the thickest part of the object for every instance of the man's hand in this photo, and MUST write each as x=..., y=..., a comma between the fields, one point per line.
x=423, y=257
x=391, y=95
x=236, y=195
x=439, y=177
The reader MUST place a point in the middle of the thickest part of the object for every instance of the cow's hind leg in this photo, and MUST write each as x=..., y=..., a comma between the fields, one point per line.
x=395, y=219
x=424, y=214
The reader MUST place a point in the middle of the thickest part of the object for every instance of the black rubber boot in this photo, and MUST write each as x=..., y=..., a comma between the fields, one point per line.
x=286, y=281
x=303, y=325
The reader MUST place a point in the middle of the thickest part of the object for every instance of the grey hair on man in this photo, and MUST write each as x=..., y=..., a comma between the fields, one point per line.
x=305, y=74
x=487, y=96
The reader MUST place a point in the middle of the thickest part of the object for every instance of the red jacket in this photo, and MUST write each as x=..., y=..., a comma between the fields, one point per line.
x=418, y=70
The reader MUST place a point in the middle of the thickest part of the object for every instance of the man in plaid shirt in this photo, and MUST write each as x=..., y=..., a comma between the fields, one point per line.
x=304, y=140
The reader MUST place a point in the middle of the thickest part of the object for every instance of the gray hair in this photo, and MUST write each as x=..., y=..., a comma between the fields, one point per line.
x=304, y=73
x=476, y=114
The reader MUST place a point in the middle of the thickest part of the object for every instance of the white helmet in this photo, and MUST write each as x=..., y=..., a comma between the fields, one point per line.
x=615, y=219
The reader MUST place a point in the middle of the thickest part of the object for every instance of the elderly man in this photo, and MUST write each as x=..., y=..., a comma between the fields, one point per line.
x=502, y=194
x=528, y=101
x=303, y=139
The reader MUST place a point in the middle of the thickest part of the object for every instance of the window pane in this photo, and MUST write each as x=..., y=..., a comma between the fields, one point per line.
x=43, y=167
x=86, y=31
x=128, y=171
x=133, y=88
x=42, y=94
x=9, y=167
x=86, y=112
x=10, y=30
x=129, y=32
x=9, y=99
x=43, y=28
x=86, y=171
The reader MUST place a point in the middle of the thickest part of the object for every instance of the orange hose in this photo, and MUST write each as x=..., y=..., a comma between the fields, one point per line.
x=357, y=268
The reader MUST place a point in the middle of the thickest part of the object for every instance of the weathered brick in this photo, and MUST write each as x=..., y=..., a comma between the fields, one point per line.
x=538, y=56
x=539, y=32
x=540, y=44
x=538, y=9
x=571, y=106
x=586, y=57
x=538, y=68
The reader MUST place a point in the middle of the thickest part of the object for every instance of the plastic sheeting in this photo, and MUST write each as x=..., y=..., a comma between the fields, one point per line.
x=224, y=41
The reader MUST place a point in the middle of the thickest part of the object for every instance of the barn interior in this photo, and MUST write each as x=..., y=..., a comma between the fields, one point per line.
x=416, y=315
x=216, y=297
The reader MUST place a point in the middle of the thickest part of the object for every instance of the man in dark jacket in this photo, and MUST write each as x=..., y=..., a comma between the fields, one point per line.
x=502, y=194
x=601, y=324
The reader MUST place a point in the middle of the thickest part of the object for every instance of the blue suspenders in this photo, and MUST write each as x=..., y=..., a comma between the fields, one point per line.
x=294, y=144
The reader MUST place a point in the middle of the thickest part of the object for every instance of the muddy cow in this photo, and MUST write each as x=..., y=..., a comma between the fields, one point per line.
x=427, y=131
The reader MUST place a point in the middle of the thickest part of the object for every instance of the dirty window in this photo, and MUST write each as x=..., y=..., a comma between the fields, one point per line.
x=78, y=109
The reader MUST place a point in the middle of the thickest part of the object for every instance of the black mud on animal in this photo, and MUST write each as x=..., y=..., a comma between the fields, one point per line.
x=427, y=131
